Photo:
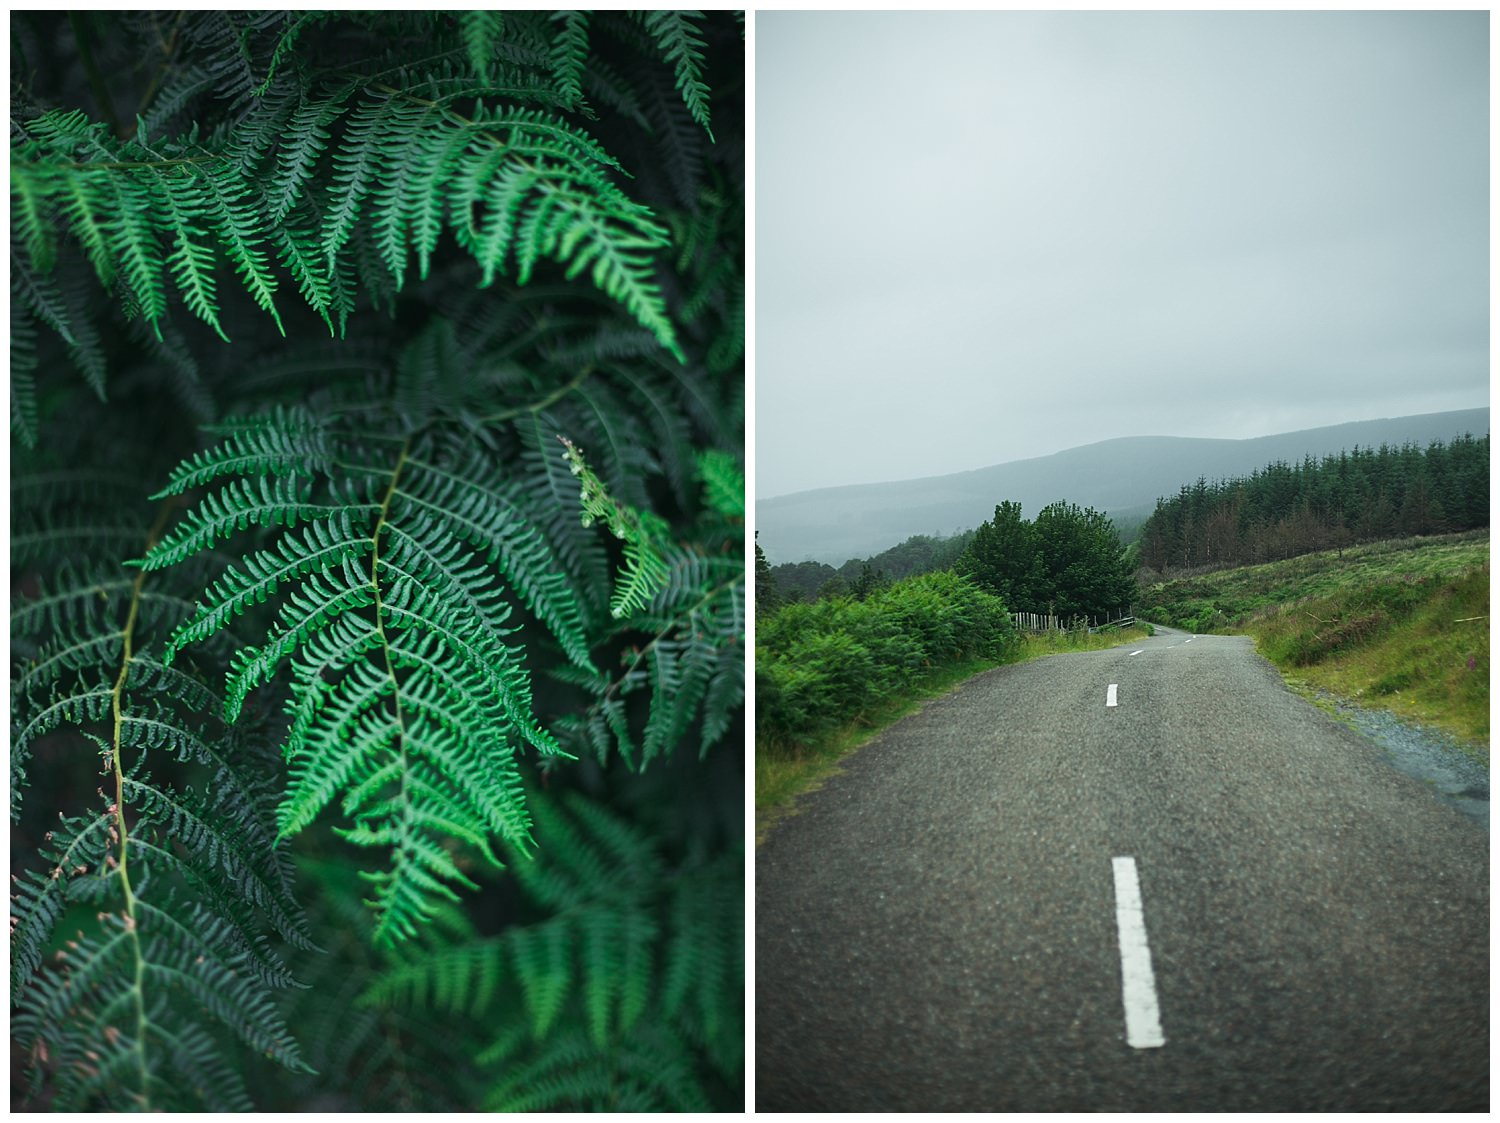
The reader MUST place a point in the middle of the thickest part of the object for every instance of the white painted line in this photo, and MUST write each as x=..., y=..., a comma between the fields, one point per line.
x=1190, y=639
x=1109, y=695
x=1138, y=652
x=1138, y=982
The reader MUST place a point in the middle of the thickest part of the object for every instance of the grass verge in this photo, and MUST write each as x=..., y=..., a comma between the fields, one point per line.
x=1401, y=626
x=786, y=772
x=1418, y=648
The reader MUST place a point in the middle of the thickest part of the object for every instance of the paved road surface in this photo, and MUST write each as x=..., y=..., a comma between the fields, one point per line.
x=937, y=928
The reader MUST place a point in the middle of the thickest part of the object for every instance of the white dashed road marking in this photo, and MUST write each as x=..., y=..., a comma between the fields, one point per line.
x=1138, y=982
x=1109, y=695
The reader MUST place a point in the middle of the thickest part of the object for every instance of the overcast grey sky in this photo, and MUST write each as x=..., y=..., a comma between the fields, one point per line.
x=985, y=236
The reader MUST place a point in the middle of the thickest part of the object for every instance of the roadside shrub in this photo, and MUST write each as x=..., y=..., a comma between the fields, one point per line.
x=821, y=665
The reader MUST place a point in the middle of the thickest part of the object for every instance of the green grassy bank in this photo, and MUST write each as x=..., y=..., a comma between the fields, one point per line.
x=1401, y=625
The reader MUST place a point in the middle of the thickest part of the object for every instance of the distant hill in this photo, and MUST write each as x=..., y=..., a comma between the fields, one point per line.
x=1124, y=477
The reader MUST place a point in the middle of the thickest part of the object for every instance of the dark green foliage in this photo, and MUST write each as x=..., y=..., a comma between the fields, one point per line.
x=919, y=554
x=767, y=596
x=1084, y=571
x=802, y=581
x=1285, y=510
x=621, y=996
x=819, y=665
x=1068, y=562
x=322, y=636
x=175, y=888
x=1004, y=557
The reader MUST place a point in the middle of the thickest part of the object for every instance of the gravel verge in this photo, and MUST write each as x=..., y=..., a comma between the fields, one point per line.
x=1424, y=753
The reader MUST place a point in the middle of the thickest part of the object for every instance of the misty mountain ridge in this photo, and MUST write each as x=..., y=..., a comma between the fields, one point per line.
x=1123, y=476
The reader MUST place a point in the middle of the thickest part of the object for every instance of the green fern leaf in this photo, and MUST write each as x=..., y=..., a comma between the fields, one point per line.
x=136, y=248
x=358, y=167
x=682, y=46
x=23, y=366
x=645, y=571
x=569, y=54
x=329, y=293
x=407, y=701
x=432, y=168
x=182, y=884
x=286, y=440
x=481, y=30
x=191, y=263
x=31, y=220
x=397, y=199
x=269, y=501
x=231, y=211
x=386, y=519
x=82, y=209
x=299, y=148
x=625, y=989
x=723, y=483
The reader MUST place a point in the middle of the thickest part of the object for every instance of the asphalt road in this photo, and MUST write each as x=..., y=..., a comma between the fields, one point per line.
x=936, y=929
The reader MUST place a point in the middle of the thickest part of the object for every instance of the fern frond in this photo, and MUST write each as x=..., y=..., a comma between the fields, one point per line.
x=232, y=210
x=455, y=979
x=268, y=501
x=134, y=245
x=299, y=148
x=645, y=571
x=191, y=263
x=723, y=483
x=542, y=182
x=693, y=665
x=473, y=505
x=358, y=165
x=86, y=215
x=551, y=501
x=480, y=31
x=364, y=618
x=683, y=46
x=181, y=88
x=651, y=1069
x=569, y=54
x=23, y=366
x=182, y=883
x=624, y=990
x=31, y=222
x=329, y=293
x=283, y=441
x=407, y=701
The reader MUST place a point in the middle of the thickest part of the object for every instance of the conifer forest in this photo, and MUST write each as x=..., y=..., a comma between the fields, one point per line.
x=377, y=560
x=1362, y=495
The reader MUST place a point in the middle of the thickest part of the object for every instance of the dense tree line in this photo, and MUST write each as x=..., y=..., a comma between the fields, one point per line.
x=1068, y=561
x=1283, y=510
x=857, y=577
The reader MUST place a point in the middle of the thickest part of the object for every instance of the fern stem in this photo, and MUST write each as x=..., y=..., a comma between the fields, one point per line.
x=385, y=647
x=138, y=984
x=551, y=399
